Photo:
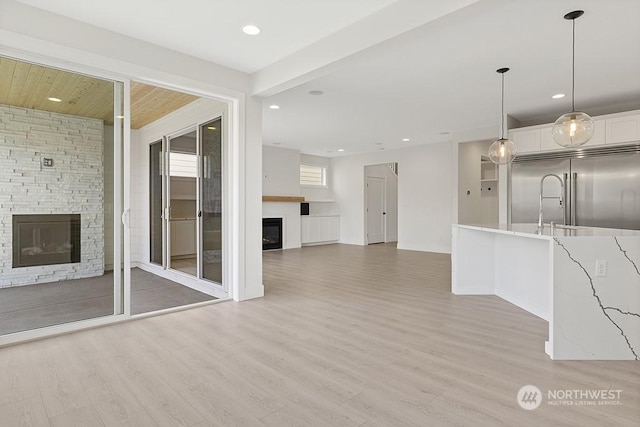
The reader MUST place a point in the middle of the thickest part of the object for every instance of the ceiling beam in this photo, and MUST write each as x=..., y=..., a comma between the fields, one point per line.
x=323, y=56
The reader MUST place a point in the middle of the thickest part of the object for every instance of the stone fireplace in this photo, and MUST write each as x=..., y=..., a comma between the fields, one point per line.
x=53, y=197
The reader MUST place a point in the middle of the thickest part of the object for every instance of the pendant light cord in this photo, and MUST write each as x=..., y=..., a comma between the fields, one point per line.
x=573, y=66
x=502, y=111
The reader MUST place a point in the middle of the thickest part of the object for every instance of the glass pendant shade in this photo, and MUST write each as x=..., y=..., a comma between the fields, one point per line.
x=502, y=151
x=573, y=129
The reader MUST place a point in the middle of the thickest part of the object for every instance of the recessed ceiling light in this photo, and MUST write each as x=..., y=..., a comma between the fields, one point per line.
x=558, y=96
x=405, y=139
x=274, y=107
x=341, y=149
x=251, y=30
x=54, y=99
x=315, y=92
x=211, y=127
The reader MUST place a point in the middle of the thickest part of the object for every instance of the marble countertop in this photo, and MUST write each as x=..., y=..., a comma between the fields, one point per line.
x=531, y=230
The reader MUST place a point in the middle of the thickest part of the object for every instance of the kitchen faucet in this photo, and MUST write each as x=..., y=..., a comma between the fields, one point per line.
x=542, y=197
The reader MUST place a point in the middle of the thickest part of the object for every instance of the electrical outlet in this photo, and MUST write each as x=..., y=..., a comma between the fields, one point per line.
x=601, y=268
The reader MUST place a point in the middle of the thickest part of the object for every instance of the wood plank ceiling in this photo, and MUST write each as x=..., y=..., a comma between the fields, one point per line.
x=28, y=85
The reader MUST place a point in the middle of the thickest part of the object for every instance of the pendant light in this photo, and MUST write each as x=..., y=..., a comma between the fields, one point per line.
x=502, y=151
x=575, y=128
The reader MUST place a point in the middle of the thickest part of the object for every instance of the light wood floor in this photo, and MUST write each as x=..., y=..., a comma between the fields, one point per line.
x=346, y=335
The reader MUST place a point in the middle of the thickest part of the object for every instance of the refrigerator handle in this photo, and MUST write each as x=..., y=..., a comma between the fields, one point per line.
x=574, y=179
x=567, y=204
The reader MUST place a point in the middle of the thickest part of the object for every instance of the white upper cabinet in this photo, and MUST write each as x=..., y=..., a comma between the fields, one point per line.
x=526, y=140
x=623, y=129
x=612, y=129
x=546, y=140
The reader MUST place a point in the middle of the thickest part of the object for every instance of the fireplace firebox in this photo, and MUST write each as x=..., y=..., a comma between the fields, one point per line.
x=46, y=239
x=271, y=233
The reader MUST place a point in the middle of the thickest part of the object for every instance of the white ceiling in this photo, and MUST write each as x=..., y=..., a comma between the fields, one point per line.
x=429, y=75
x=441, y=78
x=212, y=29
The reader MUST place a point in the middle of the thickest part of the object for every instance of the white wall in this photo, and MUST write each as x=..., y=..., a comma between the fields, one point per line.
x=481, y=205
x=391, y=198
x=425, y=193
x=281, y=177
x=280, y=171
x=321, y=194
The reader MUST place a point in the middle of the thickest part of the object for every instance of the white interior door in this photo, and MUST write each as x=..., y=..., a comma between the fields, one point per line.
x=375, y=210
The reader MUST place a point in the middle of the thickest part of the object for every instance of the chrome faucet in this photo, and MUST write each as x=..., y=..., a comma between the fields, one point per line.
x=542, y=197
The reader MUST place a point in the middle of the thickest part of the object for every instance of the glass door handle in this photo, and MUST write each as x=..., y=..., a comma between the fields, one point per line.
x=125, y=218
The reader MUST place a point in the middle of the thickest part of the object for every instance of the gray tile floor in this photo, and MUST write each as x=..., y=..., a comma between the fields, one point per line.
x=31, y=307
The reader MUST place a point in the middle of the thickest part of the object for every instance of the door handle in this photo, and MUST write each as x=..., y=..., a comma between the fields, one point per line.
x=567, y=202
x=199, y=214
x=125, y=218
x=574, y=183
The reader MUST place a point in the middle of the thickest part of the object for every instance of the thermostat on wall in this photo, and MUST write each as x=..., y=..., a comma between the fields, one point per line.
x=47, y=162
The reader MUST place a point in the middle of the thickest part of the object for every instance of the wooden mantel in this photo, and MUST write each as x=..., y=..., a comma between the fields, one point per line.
x=283, y=199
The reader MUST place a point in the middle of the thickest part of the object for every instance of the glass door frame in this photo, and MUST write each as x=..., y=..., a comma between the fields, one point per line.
x=223, y=285
x=166, y=201
x=121, y=196
x=166, y=197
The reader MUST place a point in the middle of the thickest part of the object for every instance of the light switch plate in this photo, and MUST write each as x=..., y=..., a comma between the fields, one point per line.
x=601, y=268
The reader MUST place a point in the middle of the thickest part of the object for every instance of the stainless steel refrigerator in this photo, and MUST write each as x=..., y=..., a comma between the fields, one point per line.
x=601, y=187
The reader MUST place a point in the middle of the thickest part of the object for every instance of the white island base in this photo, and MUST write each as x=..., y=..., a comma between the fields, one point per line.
x=592, y=315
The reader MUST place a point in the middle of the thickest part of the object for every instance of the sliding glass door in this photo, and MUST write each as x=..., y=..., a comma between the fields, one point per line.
x=182, y=197
x=186, y=201
x=211, y=200
x=156, y=202
x=63, y=157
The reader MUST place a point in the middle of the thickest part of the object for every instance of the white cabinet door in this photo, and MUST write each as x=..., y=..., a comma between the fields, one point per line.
x=183, y=237
x=305, y=229
x=319, y=229
x=623, y=129
x=527, y=141
x=333, y=233
x=546, y=140
x=599, y=133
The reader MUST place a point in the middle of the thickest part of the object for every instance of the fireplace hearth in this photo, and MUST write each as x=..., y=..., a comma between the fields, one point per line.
x=45, y=239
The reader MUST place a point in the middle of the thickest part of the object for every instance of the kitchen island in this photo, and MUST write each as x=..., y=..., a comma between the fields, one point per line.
x=584, y=281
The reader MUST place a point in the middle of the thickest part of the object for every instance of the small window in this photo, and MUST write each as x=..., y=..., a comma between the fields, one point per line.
x=313, y=176
x=183, y=164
